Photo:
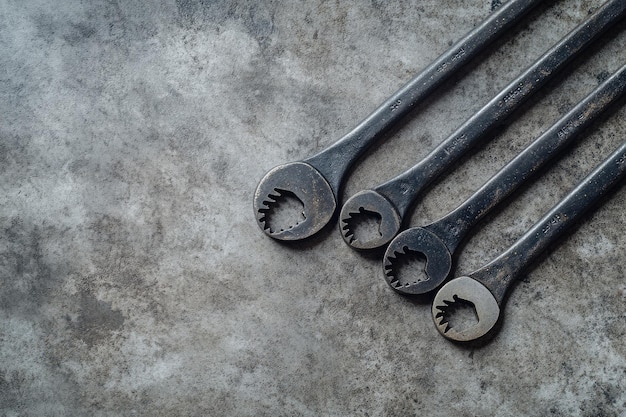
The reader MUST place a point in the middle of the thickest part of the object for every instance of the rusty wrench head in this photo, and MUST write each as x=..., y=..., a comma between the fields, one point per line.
x=485, y=289
x=297, y=180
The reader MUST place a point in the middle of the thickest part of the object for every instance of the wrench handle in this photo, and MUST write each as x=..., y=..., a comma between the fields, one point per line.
x=454, y=226
x=498, y=275
x=403, y=190
x=334, y=161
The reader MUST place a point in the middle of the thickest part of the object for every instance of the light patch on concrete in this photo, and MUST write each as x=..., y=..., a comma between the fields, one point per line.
x=596, y=246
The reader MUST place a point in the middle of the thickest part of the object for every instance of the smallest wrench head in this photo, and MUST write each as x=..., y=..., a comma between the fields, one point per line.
x=368, y=207
x=416, y=245
x=294, y=184
x=465, y=292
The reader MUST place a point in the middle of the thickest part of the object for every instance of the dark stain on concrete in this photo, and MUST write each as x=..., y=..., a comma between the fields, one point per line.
x=257, y=18
x=10, y=388
x=603, y=76
x=46, y=27
x=96, y=321
x=602, y=401
x=27, y=277
x=78, y=32
x=49, y=28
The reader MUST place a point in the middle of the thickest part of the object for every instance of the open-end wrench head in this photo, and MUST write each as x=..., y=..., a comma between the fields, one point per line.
x=368, y=209
x=467, y=291
x=422, y=245
x=295, y=182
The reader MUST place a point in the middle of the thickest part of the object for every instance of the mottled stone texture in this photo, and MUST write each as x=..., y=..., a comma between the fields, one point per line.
x=134, y=280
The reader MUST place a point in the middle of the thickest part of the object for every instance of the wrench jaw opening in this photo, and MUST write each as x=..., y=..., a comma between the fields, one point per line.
x=293, y=202
x=410, y=247
x=368, y=221
x=460, y=294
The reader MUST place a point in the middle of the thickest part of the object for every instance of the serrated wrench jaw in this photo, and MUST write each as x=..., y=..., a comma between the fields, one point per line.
x=421, y=243
x=302, y=183
x=369, y=204
x=465, y=290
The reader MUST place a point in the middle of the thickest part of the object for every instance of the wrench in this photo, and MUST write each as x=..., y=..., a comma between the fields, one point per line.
x=315, y=182
x=486, y=288
x=389, y=203
x=437, y=242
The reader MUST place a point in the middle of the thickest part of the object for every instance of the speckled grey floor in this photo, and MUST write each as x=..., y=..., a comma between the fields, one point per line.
x=135, y=281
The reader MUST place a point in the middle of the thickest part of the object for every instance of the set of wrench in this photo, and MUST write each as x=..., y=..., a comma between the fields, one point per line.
x=316, y=182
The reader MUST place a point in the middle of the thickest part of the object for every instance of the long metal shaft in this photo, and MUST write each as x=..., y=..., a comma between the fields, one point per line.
x=404, y=189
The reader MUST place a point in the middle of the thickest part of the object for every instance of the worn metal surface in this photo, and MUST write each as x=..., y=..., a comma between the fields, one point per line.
x=399, y=194
x=486, y=288
x=331, y=165
x=135, y=281
x=437, y=241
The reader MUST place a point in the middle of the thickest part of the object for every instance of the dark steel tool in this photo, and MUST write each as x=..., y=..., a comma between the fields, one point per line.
x=316, y=181
x=485, y=289
x=389, y=203
x=435, y=243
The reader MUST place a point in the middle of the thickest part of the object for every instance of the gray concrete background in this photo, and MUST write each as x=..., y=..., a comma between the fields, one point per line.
x=135, y=281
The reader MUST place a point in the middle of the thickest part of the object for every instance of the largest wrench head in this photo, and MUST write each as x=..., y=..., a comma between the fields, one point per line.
x=310, y=198
x=464, y=292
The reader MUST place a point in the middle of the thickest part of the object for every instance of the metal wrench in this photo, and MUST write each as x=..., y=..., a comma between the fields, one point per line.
x=316, y=181
x=436, y=243
x=390, y=202
x=486, y=288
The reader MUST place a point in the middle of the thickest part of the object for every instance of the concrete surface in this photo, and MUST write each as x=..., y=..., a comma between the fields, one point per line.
x=135, y=281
